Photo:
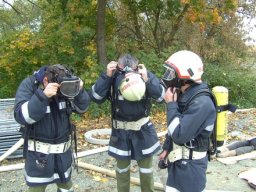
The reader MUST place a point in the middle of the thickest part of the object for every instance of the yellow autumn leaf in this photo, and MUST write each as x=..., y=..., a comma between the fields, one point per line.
x=97, y=178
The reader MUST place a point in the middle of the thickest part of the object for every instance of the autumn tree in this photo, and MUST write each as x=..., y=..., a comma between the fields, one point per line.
x=184, y=24
x=101, y=32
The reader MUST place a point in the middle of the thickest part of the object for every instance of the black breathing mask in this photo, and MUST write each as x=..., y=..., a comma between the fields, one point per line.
x=69, y=84
x=169, y=78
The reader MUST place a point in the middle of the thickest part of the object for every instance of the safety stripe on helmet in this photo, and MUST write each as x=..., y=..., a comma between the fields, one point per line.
x=25, y=113
x=46, y=180
x=171, y=189
x=175, y=122
x=123, y=170
x=151, y=149
x=209, y=127
x=119, y=152
x=146, y=170
x=95, y=95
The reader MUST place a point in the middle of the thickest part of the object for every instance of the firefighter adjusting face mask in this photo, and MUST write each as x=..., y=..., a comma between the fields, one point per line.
x=169, y=74
x=70, y=86
x=169, y=78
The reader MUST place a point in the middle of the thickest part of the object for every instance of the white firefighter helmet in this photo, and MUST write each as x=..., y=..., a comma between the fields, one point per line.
x=186, y=65
x=132, y=87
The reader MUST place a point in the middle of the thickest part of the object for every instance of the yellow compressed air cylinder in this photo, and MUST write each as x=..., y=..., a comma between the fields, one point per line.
x=221, y=95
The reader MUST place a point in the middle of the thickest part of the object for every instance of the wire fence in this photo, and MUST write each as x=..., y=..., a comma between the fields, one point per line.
x=9, y=128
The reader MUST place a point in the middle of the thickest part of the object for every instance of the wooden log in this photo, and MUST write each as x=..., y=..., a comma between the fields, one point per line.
x=91, y=152
x=12, y=149
x=136, y=181
x=80, y=154
x=235, y=159
x=12, y=167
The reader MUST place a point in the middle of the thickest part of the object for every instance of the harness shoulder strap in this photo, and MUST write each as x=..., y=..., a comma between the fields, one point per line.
x=212, y=144
x=27, y=130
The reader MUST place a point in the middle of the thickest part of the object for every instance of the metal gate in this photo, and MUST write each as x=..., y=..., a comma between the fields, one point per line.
x=9, y=128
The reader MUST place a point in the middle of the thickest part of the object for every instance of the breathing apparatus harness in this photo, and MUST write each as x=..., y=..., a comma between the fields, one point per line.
x=113, y=96
x=212, y=140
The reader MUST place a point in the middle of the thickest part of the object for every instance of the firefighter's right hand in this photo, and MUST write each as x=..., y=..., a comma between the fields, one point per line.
x=163, y=155
x=51, y=89
x=111, y=67
x=171, y=95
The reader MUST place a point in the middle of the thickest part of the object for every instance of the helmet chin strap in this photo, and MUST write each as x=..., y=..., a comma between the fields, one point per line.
x=173, y=83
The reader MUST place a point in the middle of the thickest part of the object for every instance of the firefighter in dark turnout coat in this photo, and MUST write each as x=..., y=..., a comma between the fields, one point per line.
x=133, y=134
x=44, y=114
x=190, y=123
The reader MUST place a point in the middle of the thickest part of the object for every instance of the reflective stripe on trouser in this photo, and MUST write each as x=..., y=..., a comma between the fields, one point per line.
x=62, y=187
x=146, y=174
x=123, y=175
x=65, y=187
x=171, y=189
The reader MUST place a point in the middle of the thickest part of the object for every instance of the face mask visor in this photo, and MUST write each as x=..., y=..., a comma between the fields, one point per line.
x=169, y=73
x=70, y=86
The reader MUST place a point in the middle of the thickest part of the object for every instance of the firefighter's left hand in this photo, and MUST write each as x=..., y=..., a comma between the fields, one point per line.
x=171, y=95
x=143, y=72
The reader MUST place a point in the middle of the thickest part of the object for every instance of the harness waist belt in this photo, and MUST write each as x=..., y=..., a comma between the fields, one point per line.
x=48, y=148
x=182, y=152
x=130, y=125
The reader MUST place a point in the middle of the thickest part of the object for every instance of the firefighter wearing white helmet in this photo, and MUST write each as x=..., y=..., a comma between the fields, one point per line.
x=182, y=66
x=191, y=115
x=130, y=87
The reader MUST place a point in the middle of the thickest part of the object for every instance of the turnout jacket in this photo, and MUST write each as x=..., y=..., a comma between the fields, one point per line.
x=121, y=140
x=107, y=88
x=190, y=125
x=46, y=120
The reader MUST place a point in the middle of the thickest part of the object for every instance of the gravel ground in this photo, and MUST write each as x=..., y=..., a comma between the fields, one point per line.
x=219, y=176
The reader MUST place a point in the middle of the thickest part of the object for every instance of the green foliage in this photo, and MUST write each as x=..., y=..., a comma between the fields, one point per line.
x=98, y=110
x=47, y=32
x=239, y=82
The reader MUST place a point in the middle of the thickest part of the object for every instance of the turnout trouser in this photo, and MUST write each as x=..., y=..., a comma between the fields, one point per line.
x=62, y=187
x=145, y=171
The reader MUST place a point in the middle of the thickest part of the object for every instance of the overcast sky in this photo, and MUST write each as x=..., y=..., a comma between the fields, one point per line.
x=253, y=32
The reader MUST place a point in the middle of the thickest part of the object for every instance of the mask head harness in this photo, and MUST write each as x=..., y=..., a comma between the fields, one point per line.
x=69, y=84
x=128, y=63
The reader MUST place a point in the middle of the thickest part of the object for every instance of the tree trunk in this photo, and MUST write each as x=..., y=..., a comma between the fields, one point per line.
x=101, y=48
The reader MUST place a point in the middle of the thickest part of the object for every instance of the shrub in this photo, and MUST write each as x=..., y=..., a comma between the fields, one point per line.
x=239, y=81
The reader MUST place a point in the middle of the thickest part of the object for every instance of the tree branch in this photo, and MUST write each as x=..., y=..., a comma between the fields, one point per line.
x=12, y=7
x=34, y=4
